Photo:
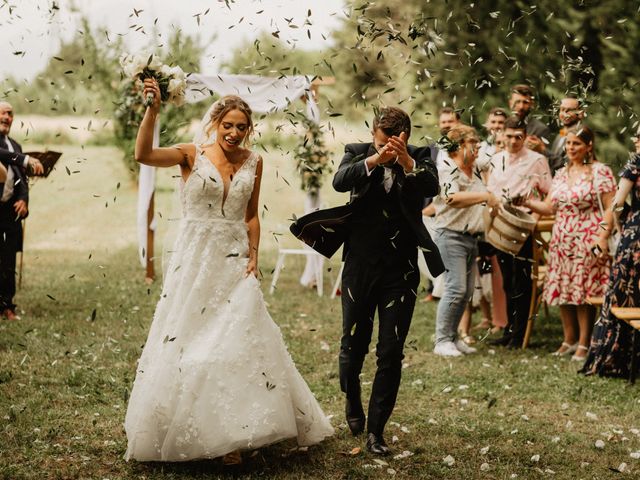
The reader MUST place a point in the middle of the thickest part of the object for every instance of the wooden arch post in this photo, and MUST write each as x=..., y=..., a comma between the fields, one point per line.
x=150, y=274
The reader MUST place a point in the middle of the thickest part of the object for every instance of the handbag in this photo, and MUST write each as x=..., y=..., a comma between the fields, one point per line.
x=614, y=235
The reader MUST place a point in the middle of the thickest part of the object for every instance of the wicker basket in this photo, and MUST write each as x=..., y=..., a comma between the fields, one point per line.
x=509, y=229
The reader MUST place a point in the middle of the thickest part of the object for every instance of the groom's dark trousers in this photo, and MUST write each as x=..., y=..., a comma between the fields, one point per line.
x=381, y=271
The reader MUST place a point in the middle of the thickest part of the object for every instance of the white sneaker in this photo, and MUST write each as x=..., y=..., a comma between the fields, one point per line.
x=464, y=348
x=447, y=349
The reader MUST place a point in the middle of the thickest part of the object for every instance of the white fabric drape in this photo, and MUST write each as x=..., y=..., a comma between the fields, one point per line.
x=314, y=263
x=263, y=94
x=146, y=185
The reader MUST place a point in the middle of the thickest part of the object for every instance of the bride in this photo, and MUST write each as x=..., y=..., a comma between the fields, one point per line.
x=215, y=376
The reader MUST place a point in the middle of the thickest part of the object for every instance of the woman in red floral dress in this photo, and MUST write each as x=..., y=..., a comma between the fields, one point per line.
x=574, y=272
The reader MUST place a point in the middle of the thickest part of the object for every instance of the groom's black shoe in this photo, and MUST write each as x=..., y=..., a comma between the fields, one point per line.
x=377, y=445
x=355, y=416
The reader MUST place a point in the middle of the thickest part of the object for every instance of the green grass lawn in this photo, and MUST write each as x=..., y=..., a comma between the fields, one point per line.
x=66, y=368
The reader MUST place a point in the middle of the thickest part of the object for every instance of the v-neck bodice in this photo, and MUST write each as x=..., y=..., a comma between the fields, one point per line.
x=203, y=194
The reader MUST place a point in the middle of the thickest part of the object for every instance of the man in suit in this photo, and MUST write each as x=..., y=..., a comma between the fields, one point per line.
x=13, y=208
x=570, y=114
x=388, y=181
x=521, y=102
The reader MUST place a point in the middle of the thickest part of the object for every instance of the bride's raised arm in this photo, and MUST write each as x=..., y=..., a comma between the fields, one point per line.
x=182, y=154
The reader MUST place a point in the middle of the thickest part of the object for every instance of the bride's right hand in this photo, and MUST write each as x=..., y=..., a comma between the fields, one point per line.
x=151, y=87
x=252, y=268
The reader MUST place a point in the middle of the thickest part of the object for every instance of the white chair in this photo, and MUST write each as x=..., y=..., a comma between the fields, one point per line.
x=282, y=253
x=338, y=282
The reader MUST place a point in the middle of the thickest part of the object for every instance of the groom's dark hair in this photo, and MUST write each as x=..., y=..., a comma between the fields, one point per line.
x=392, y=121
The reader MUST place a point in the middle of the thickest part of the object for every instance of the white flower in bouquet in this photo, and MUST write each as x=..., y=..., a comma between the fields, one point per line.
x=132, y=65
x=171, y=80
x=176, y=89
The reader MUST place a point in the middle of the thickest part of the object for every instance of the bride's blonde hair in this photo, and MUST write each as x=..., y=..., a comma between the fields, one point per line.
x=225, y=105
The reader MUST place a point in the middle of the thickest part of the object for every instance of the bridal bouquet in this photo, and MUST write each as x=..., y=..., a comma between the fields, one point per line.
x=172, y=80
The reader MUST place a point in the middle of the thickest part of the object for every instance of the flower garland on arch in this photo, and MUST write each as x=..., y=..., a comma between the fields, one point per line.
x=312, y=158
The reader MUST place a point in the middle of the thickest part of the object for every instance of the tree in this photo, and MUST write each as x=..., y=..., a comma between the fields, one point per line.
x=269, y=56
x=426, y=54
x=79, y=79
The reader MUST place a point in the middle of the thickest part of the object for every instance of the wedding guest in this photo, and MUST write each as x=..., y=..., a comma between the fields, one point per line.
x=610, y=350
x=494, y=142
x=494, y=316
x=573, y=272
x=522, y=102
x=447, y=119
x=14, y=207
x=458, y=225
x=570, y=114
x=517, y=172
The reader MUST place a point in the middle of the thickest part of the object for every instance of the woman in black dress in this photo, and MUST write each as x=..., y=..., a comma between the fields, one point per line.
x=610, y=351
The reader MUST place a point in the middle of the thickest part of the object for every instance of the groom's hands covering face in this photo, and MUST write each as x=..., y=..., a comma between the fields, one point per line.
x=390, y=150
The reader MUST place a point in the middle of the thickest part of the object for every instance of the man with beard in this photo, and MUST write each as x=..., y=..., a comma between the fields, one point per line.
x=570, y=113
x=521, y=103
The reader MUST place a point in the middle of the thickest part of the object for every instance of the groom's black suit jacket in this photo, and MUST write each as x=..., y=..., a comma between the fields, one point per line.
x=326, y=230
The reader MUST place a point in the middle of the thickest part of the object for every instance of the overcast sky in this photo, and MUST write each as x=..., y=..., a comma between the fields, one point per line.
x=34, y=28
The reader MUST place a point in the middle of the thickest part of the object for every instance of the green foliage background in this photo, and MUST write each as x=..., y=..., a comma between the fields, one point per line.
x=424, y=55
x=420, y=55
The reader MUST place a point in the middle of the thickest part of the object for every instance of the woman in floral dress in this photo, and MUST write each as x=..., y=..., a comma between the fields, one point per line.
x=574, y=272
x=610, y=352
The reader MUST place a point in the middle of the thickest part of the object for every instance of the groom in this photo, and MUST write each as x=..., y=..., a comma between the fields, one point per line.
x=388, y=181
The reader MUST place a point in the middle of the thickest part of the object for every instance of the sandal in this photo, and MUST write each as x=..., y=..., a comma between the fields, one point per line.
x=468, y=339
x=580, y=358
x=566, y=349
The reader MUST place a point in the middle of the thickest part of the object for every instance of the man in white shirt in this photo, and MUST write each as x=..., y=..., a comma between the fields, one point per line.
x=517, y=172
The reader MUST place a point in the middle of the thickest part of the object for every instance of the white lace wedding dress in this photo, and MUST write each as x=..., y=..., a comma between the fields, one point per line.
x=215, y=375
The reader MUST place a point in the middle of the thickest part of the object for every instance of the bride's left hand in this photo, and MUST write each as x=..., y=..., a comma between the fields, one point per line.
x=252, y=268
